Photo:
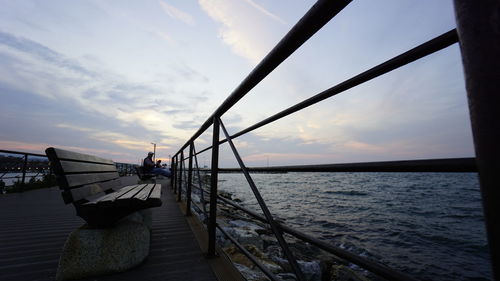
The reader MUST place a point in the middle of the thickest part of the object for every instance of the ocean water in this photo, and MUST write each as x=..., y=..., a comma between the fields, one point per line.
x=10, y=178
x=429, y=225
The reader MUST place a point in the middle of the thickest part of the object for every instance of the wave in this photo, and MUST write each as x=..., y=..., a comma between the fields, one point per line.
x=347, y=192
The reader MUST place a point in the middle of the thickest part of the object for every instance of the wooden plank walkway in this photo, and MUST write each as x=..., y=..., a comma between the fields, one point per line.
x=35, y=224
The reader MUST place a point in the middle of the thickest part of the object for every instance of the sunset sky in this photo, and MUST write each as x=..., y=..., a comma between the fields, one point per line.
x=111, y=77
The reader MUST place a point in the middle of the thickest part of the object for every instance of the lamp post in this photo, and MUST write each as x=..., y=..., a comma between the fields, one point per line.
x=154, y=152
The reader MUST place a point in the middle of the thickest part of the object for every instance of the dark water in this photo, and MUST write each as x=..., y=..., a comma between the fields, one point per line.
x=429, y=225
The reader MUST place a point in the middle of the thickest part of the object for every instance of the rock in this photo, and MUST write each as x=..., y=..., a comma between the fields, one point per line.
x=303, y=250
x=143, y=216
x=344, y=273
x=287, y=276
x=226, y=194
x=91, y=252
x=264, y=231
x=238, y=257
x=269, y=241
x=310, y=269
x=249, y=274
x=274, y=250
x=245, y=232
x=316, y=264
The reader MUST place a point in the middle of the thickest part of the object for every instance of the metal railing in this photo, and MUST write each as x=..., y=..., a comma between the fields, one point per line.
x=21, y=164
x=470, y=17
x=126, y=169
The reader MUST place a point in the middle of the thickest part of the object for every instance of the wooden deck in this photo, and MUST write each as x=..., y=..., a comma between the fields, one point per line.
x=35, y=224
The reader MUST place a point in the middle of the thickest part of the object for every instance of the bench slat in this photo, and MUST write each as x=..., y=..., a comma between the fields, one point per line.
x=83, y=179
x=149, y=196
x=140, y=199
x=108, y=198
x=156, y=193
x=143, y=195
x=82, y=167
x=66, y=154
x=76, y=194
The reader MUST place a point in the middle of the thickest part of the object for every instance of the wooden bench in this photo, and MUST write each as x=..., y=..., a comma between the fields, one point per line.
x=93, y=185
x=144, y=175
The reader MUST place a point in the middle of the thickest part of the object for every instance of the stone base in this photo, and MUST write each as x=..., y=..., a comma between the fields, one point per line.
x=91, y=252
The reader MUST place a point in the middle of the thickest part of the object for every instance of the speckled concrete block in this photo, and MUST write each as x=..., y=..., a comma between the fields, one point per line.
x=91, y=252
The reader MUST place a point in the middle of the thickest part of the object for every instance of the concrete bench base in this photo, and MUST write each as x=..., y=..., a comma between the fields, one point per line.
x=91, y=252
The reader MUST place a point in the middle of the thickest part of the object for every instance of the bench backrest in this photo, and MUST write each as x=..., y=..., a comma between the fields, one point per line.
x=82, y=176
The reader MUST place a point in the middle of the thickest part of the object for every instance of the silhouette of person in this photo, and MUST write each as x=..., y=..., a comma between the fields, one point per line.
x=149, y=167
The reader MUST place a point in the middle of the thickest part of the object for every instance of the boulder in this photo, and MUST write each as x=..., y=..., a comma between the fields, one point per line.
x=344, y=273
x=238, y=257
x=250, y=274
x=91, y=252
x=310, y=269
x=246, y=232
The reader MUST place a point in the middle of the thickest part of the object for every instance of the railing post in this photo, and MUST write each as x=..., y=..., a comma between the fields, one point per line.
x=181, y=170
x=190, y=179
x=174, y=177
x=212, y=220
x=202, y=195
x=25, y=165
x=479, y=35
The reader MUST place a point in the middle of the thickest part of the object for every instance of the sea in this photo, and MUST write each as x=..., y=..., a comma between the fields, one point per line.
x=428, y=225
x=10, y=178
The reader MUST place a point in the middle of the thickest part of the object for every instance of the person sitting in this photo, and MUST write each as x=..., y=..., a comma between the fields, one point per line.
x=158, y=164
x=149, y=167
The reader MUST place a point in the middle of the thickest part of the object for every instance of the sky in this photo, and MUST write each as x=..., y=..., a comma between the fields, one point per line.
x=111, y=77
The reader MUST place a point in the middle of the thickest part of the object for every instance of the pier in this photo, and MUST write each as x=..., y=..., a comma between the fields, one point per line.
x=35, y=225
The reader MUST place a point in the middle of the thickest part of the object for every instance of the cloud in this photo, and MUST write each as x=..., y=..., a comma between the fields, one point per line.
x=163, y=35
x=108, y=136
x=41, y=52
x=175, y=13
x=276, y=159
x=246, y=31
x=35, y=70
x=265, y=12
x=40, y=148
x=73, y=127
x=365, y=147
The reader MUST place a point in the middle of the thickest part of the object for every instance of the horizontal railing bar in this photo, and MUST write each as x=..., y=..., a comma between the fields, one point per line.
x=248, y=255
x=372, y=266
x=319, y=14
x=438, y=43
x=23, y=153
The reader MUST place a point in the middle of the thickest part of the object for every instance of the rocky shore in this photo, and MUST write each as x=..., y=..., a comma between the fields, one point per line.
x=258, y=239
